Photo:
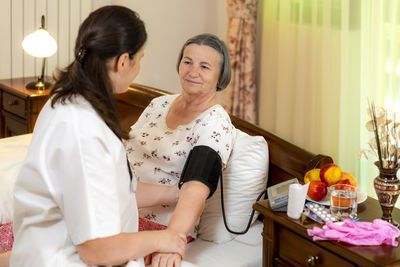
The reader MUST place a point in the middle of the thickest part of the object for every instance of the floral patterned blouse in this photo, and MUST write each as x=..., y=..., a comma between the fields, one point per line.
x=157, y=154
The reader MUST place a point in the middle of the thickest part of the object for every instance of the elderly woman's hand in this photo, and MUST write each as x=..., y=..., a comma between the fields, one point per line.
x=4, y=258
x=166, y=260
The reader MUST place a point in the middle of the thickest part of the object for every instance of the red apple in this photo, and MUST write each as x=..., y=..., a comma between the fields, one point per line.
x=317, y=190
x=330, y=174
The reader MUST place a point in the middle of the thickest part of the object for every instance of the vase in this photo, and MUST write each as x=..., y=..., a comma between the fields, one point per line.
x=387, y=188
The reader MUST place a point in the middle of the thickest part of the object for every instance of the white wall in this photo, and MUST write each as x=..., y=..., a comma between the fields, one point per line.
x=169, y=24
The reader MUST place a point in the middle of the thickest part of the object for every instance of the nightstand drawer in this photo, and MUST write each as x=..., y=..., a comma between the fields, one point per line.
x=299, y=251
x=14, y=104
x=14, y=125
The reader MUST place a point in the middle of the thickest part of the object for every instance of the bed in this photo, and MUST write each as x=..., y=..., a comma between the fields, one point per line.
x=282, y=161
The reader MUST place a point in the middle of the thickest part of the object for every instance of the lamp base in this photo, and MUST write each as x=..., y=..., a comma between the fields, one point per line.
x=39, y=85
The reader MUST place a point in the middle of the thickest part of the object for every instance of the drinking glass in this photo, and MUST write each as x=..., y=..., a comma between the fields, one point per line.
x=343, y=201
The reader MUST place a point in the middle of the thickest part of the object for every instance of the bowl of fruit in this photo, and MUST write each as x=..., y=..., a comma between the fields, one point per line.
x=321, y=179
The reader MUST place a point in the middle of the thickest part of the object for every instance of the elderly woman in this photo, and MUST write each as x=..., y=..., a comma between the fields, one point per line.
x=172, y=125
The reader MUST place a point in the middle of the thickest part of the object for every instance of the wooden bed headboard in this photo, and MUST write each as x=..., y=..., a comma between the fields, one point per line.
x=286, y=160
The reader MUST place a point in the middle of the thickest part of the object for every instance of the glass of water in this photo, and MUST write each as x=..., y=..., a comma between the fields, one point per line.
x=343, y=201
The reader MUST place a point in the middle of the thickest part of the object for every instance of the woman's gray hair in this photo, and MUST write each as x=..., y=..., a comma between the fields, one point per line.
x=219, y=46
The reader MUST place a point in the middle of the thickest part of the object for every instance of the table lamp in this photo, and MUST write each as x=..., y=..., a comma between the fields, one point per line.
x=40, y=44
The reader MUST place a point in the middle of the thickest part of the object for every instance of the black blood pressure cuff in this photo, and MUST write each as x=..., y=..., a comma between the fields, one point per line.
x=204, y=165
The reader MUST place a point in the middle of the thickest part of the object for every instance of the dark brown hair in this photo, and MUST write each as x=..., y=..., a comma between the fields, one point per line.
x=107, y=32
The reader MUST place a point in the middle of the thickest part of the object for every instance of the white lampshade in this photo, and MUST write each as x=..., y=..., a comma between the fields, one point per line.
x=40, y=44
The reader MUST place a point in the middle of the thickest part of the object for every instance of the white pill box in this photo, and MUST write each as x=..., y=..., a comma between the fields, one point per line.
x=318, y=213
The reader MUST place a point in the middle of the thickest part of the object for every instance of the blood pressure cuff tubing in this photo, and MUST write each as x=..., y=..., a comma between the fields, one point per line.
x=204, y=165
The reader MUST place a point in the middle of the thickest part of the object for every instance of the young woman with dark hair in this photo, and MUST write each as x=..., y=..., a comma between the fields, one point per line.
x=74, y=199
x=106, y=34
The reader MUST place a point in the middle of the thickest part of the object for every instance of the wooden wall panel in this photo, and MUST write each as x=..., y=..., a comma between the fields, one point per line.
x=21, y=17
x=29, y=26
x=74, y=18
x=52, y=27
x=5, y=29
x=40, y=9
x=99, y=3
x=86, y=8
x=17, y=35
x=63, y=33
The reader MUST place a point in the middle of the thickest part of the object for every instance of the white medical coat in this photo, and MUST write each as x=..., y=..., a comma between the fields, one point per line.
x=74, y=186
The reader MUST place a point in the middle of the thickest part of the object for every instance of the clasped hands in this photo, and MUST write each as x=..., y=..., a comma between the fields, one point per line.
x=158, y=259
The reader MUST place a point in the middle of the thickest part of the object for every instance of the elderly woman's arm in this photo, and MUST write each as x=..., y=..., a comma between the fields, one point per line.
x=189, y=207
x=148, y=195
x=4, y=258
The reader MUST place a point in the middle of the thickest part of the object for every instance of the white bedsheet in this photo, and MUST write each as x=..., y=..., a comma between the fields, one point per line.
x=12, y=154
x=243, y=251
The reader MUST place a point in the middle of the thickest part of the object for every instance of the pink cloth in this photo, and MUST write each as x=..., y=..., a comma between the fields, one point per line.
x=373, y=233
x=6, y=236
x=147, y=225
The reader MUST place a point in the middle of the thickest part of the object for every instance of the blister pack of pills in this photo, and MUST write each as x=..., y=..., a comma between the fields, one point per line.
x=318, y=213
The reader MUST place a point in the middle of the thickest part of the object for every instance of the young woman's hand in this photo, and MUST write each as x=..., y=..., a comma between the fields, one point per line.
x=170, y=241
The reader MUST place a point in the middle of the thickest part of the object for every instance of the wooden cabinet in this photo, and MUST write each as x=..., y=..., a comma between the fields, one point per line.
x=286, y=242
x=19, y=106
x=307, y=253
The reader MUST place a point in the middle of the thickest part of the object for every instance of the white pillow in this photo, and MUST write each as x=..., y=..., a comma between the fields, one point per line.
x=245, y=177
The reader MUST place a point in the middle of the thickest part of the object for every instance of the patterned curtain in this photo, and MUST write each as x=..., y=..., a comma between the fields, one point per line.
x=239, y=98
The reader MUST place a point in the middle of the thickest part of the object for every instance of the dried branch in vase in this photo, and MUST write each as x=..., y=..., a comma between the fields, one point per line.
x=386, y=134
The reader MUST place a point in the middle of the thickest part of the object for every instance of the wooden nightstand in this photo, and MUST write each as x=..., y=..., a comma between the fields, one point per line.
x=19, y=107
x=286, y=242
